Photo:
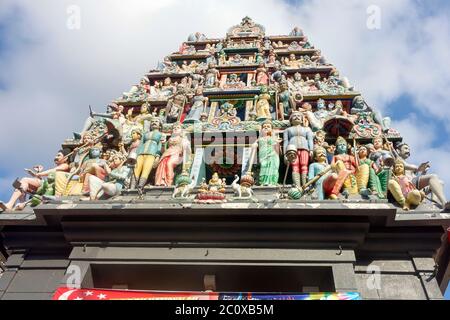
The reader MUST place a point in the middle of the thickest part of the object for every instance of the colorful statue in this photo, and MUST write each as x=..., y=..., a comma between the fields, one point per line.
x=32, y=184
x=243, y=190
x=419, y=177
x=359, y=106
x=296, y=32
x=178, y=152
x=199, y=104
x=285, y=99
x=94, y=166
x=175, y=108
x=167, y=89
x=302, y=139
x=212, y=76
x=263, y=104
x=148, y=154
x=383, y=159
x=344, y=161
x=403, y=189
x=367, y=175
x=118, y=177
x=268, y=148
x=262, y=78
x=328, y=183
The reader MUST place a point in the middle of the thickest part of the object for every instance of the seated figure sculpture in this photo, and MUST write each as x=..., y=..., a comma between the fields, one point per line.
x=330, y=182
x=118, y=175
x=359, y=106
x=403, y=189
x=31, y=184
x=420, y=178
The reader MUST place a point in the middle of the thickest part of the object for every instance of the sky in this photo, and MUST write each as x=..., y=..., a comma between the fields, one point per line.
x=394, y=52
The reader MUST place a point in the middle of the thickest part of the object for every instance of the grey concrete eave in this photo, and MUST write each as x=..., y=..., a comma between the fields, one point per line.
x=392, y=215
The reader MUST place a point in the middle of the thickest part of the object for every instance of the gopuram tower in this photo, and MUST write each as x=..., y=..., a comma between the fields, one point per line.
x=244, y=164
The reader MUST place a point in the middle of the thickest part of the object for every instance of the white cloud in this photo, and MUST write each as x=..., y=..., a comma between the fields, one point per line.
x=55, y=73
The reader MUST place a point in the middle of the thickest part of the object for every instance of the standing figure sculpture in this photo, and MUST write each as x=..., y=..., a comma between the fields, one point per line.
x=344, y=161
x=267, y=146
x=148, y=154
x=199, y=104
x=367, y=178
x=301, y=138
x=212, y=76
x=263, y=104
x=383, y=158
x=286, y=103
x=178, y=152
x=262, y=78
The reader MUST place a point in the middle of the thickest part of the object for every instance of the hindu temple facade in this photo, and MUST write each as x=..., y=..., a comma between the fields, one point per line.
x=240, y=164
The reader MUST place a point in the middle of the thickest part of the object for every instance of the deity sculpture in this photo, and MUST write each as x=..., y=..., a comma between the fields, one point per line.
x=383, y=158
x=296, y=32
x=292, y=62
x=360, y=106
x=118, y=175
x=328, y=182
x=367, y=179
x=420, y=178
x=178, y=152
x=403, y=189
x=267, y=44
x=279, y=75
x=167, y=89
x=212, y=76
x=344, y=161
x=30, y=185
x=272, y=58
x=199, y=104
x=234, y=82
x=196, y=37
x=301, y=138
x=94, y=166
x=285, y=100
x=262, y=78
x=148, y=154
x=263, y=104
x=227, y=110
x=175, y=108
x=213, y=192
x=267, y=147
x=139, y=92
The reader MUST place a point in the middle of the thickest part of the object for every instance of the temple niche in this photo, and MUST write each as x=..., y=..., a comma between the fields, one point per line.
x=240, y=118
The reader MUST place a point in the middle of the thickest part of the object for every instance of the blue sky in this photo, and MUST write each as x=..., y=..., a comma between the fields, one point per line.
x=50, y=74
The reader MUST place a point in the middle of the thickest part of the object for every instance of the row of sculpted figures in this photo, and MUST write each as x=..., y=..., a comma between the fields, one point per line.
x=115, y=152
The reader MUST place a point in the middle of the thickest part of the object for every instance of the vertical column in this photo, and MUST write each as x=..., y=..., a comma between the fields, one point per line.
x=198, y=170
